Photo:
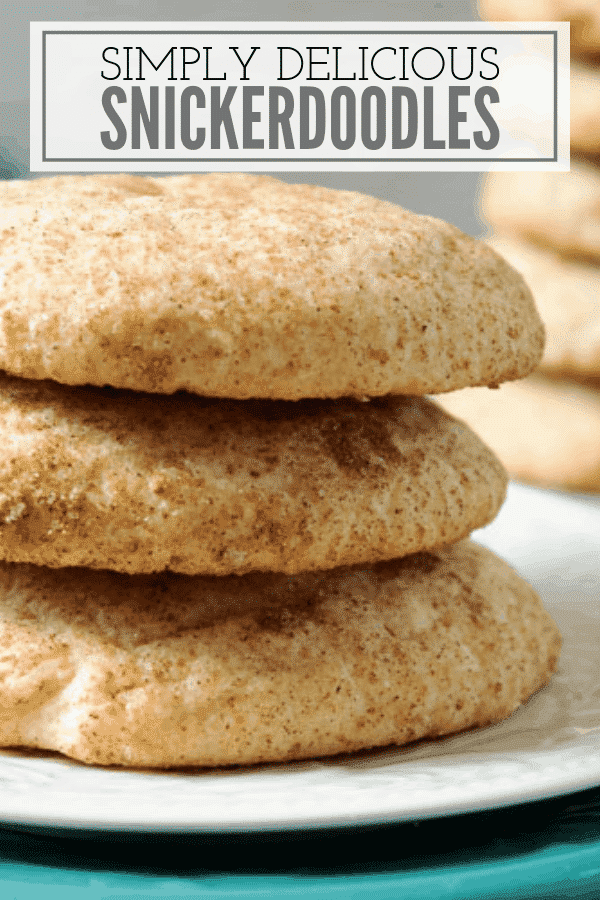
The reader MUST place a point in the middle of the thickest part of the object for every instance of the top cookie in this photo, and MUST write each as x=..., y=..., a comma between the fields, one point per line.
x=243, y=286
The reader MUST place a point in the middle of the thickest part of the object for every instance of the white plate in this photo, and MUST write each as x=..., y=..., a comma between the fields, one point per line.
x=550, y=746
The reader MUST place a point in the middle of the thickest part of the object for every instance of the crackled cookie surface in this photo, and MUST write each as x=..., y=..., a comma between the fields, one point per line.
x=142, y=483
x=166, y=670
x=243, y=286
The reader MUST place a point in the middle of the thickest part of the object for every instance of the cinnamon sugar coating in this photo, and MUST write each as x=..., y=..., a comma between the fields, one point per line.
x=140, y=483
x=243, y=286
x=171, y=671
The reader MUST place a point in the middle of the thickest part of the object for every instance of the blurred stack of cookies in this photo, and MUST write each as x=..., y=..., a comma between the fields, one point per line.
x=546, y=430
x=228, y=532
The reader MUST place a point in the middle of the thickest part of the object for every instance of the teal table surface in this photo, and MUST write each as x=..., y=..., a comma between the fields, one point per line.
x=549, y=849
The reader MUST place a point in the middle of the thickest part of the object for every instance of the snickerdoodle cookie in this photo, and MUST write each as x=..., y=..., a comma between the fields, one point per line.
x=583, y=16
x=243, y=286
x=141, y=483
x=559, y=210
x=545, y=432
x=170, y=670
x=585, y=110
x=567, y=295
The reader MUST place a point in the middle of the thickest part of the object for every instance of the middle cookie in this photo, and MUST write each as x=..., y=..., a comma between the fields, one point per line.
x=139, y=483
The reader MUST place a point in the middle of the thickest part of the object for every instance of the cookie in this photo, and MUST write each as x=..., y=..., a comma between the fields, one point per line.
x=243, y=286
x=585, y=110
x=559, y=210
x=567, y=295
x=142, y=483
x=545, y=432
x=175, y=671
x=583, y=15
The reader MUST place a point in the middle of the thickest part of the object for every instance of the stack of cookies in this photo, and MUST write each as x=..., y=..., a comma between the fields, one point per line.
x=546, y=430
x=233, y=530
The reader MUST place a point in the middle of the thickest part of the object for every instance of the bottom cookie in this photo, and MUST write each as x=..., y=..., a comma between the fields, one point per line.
x=175, y=670
x=545, y=432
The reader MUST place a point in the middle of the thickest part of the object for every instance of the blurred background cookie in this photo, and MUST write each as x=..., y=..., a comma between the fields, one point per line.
x=545, y=432
x=547, y=224
x=559, y=210
x=583, y=16
x=585, y=104
x=567, y=295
